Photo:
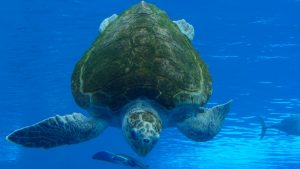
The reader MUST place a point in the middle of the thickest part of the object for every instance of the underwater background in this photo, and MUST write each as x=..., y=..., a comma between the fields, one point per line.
x=251, y=47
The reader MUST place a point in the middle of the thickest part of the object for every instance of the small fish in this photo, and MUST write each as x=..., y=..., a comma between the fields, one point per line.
x=289, y=125
x=119, y=159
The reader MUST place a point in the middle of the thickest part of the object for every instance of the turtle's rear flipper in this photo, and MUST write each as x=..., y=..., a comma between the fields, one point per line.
x=58, y=130
x=203, y=125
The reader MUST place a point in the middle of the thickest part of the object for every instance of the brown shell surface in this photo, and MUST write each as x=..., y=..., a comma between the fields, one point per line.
x=141, y=54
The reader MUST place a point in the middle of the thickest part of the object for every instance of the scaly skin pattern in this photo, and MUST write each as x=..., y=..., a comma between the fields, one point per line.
x=142, y=131
x=141, y=54
x=58, y=130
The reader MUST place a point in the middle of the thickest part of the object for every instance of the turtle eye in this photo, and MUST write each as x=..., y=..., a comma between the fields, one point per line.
x=146, y=140
x=134, y=135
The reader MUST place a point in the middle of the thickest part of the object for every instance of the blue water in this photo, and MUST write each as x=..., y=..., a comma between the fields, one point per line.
x=252, y=48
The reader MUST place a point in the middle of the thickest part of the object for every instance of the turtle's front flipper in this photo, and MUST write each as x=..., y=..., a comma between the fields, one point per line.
x=203, y=124
x=58, y=130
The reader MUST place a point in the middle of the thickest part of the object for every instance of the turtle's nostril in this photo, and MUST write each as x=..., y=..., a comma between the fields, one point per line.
x=146, y=140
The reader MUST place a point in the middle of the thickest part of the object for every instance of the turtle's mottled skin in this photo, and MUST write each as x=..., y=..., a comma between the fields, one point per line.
x=141, y=53
x=142, y=74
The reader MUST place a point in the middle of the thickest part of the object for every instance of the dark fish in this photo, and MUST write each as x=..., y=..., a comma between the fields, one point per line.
x=119, y=159
x=289, y=125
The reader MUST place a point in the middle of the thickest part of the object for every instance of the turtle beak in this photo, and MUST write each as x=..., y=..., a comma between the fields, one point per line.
x=145, y=142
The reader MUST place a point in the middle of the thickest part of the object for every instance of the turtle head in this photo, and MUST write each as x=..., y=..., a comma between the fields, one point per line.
x=141, y=127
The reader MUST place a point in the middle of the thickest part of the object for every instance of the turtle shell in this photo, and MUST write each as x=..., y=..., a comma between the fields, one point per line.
x=141, y=54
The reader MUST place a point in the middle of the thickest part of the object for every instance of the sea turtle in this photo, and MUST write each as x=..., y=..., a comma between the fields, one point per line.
x=142, y=75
